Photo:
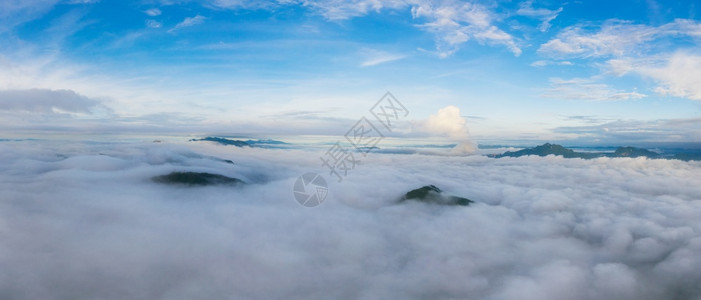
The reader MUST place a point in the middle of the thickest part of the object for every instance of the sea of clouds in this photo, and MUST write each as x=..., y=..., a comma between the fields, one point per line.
x=85, y=221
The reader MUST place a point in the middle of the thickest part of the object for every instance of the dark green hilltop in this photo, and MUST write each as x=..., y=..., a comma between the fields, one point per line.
x=196, y=179
x=434, y=195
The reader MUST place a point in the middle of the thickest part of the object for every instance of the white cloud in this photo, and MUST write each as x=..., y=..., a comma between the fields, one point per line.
x=15, y=12
x=345, y=9
x=159, y=102
x=153, y=24
x=676, y=74
x=189, y=21
x=454, y=23
x=540, y=63
x=614, y=38
x=543, y=63
x=619, y=66
x=376, y=57
x=83, y=1
x=249, y=4
x=83, y=220
x=632, y=49
x=44, y=110
x=449, y=123
x=542, y=14
x=153, y=12
x=679, y=76
x=45, y=101
x=334, y=10
x=635, y=131
x=587, y=89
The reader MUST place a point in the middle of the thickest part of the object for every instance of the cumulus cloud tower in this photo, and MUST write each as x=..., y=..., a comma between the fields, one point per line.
x=448, y=122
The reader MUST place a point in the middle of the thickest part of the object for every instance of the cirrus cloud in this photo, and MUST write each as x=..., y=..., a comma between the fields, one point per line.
x=188, y=22
x=452, y=22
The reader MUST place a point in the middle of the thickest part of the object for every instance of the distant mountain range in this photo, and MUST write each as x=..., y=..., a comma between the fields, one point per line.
x=240, y=143
x=554, y=149
x=542, y=150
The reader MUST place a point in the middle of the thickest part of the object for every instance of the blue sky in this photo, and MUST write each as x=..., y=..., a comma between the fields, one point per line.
x=582, y=72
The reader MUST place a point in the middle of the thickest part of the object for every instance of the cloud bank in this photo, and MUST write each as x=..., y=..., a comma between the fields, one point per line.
x=587, y=89
x=624, y=47
x=84, y=220
x=46, y=101
x=449, y=123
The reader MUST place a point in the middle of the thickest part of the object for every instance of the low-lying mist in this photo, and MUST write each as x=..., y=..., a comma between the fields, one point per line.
x=86, y=221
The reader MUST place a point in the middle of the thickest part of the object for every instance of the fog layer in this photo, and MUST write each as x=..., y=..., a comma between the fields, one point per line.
x=85, y=221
